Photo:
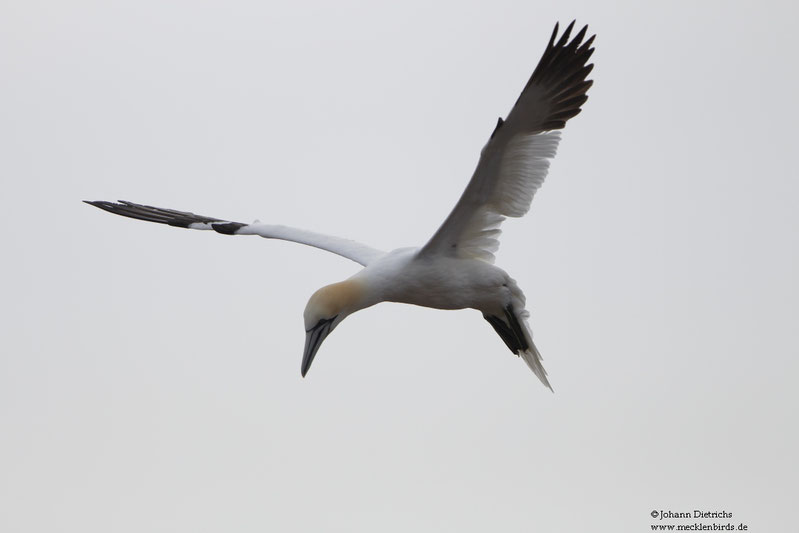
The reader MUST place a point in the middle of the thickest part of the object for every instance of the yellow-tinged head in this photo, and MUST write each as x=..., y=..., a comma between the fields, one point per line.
x=326, y=308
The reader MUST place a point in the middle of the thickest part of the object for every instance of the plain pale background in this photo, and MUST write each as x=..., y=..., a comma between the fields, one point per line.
x=149, y=376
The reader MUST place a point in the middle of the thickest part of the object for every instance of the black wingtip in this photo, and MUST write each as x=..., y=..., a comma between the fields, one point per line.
x=571, y=25
x=171, y=217
x=500, y=122
x=227, y=228
x=561, y=74
x=565, y=37
x=101, y=204
x=554, y=34
x=579, y=37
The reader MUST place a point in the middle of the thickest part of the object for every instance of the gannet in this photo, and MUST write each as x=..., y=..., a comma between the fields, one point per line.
x=455, y=268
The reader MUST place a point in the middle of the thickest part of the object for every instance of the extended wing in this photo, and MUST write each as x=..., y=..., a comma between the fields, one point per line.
x=360, y=253
x=515, y=161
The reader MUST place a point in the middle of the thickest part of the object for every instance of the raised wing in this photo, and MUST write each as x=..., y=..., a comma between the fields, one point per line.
x=360, y=253
x=515, y=161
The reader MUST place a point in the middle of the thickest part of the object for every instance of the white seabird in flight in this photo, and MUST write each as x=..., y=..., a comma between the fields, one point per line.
x=455, y=269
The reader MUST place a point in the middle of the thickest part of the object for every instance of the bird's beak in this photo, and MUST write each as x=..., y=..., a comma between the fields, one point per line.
x=313, y=340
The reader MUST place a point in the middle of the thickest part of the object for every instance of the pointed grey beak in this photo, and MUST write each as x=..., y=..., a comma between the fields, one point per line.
x=313, y=340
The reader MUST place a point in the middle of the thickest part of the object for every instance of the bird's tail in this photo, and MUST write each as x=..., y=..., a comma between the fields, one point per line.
x=515, y=332
x=532, y=357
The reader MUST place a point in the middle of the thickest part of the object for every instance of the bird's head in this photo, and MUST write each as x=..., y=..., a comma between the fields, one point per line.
x=325, y=310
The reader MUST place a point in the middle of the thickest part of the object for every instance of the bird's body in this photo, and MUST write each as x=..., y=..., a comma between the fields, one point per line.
x=455, y=269
x=406, y=276
x=403, y=276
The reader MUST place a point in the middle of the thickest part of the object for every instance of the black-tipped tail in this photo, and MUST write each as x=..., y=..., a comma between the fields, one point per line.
x=510, y=330
x=512, y=333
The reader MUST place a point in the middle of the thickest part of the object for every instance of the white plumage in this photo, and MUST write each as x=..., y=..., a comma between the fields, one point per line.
x=454, y=270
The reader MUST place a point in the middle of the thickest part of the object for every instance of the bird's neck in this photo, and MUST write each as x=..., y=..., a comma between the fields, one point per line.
x=351, y=294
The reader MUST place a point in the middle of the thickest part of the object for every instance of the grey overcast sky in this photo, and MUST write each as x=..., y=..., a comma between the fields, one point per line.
x=150, y=376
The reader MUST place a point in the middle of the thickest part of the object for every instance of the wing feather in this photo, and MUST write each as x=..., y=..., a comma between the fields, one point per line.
x=515, y=161
x=355, y=251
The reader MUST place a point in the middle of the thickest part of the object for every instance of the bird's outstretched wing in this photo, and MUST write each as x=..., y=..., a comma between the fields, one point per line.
x=360, y=253
x=515, y=161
